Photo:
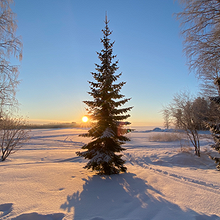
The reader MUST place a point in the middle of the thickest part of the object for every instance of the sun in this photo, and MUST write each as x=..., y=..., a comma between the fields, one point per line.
x=85, y=119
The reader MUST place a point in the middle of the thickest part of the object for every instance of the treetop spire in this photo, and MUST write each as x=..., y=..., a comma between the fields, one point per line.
x=106, y=18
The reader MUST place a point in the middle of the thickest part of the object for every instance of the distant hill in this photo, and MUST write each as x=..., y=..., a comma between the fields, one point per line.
x=52, y=125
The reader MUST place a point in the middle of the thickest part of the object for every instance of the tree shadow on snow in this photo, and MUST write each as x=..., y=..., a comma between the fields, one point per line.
x=124, y=196
x=36, y=216
x=5, y=209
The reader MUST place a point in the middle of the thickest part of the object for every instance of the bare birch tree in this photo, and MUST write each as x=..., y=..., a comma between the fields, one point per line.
x=200, y=22
x=10, y=45
x=166, y=117
x=12, y=132
x=183, y=116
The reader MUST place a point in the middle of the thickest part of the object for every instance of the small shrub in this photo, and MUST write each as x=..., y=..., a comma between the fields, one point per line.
x=12, y=136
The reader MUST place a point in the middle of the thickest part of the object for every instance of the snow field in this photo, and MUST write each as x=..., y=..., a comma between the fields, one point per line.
x=46, y=180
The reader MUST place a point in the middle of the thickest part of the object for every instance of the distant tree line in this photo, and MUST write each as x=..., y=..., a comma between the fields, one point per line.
x=51, y=125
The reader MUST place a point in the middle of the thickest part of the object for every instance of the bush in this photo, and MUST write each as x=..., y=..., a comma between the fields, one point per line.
x=12, y=135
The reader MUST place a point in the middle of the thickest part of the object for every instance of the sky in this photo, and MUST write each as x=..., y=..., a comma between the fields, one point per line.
x=60, y=40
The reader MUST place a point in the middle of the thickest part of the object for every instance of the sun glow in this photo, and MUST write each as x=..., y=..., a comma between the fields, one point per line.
x=85, y=119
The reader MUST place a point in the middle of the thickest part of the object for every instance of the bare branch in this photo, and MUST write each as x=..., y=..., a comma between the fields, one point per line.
x=200, y=27
x=10, y=45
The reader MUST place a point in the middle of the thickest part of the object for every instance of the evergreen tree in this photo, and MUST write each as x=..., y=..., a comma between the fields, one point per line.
x=107, y=137
x=215, y=128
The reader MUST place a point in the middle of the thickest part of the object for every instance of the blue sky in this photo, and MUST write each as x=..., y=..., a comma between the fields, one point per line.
x=60, y=40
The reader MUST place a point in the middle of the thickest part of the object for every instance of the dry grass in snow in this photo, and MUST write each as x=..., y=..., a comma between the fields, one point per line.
x=166, y=137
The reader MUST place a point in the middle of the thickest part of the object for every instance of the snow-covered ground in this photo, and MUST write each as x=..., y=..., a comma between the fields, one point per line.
x=46, y=180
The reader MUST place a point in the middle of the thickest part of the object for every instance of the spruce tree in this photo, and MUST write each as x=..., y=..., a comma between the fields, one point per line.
x=215, y=128
x=103, y=152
